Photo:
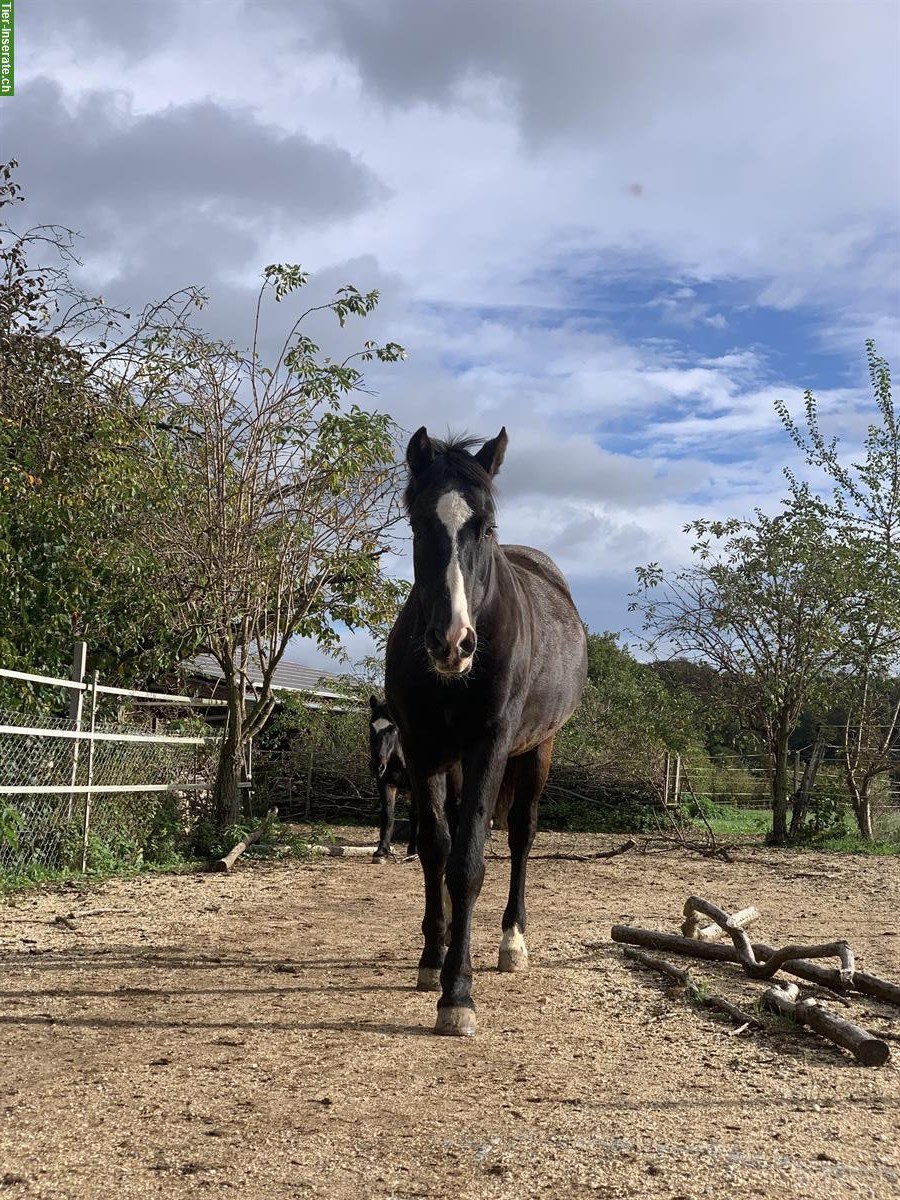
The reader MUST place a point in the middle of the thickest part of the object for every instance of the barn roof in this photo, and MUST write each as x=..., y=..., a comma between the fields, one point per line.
x=288, y=676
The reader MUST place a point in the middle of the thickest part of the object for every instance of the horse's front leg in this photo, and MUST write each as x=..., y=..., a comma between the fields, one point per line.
x=482, y=771
x=433, y=838
x=388, y=794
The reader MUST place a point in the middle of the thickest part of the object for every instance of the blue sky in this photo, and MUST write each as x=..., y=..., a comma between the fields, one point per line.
x=622, y=230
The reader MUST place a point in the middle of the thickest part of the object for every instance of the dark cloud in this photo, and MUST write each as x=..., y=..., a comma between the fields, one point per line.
x=134, y=29
x=179, y=197
x=600, y=68
x=698, y=79
x=109, y=162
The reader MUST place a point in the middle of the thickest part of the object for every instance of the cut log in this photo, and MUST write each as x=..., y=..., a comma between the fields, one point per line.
x=864, y=1046
x=343, y=851
x=227, y=861
x=694, y=905
x=712, y=933
x=827, y=977
x=687, y=980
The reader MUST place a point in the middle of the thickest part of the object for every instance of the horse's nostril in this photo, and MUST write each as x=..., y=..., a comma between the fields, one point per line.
x=435, y=642
x=468, y=643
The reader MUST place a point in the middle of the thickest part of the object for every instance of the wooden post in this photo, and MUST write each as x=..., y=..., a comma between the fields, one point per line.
x=796, y=771
x=90, y=777
x=76, y=710
x=676, y=799
x=803, y=794
x=668, y=778
x=248, y=775
x=309, y=775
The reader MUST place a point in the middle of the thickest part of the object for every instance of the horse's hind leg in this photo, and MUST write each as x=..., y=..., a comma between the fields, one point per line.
x=531, y=772
x=505, y=796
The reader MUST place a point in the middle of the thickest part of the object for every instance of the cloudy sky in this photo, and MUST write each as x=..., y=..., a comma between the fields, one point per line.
x=621, y=228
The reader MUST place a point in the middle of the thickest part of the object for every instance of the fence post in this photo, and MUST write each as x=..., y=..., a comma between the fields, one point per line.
x=668, y=778
x=248, y=775
x=76, y=710
x=309, y=777
x=796, y=771
x=677, y=792
x=90, y=776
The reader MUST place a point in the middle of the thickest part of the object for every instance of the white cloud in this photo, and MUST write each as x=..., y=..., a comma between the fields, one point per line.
x=505, y=171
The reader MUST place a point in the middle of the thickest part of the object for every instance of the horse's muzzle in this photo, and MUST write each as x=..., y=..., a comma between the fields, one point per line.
x=452, y=668
x=451, y=655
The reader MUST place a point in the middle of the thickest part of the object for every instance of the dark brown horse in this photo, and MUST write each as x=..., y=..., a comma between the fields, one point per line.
x=484, y=664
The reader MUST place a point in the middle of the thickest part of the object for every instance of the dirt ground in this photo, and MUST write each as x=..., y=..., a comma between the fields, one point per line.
x=258, y=1034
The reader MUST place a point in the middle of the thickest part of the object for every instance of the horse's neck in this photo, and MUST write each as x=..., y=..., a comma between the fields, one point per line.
x=503, y=588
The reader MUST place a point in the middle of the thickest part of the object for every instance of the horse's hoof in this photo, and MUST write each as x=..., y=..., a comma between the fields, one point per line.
x=513, y=954
x=455, y=1022
x=512, y=960
x=381, y=859
x=428, y=979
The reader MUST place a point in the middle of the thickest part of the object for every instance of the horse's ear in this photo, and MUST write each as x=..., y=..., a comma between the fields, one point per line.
x=373, y=702
x=419, y=452
x=490, y=456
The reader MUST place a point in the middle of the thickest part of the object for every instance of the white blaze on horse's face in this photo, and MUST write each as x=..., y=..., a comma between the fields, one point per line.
x=453, y=511
x=380, y=723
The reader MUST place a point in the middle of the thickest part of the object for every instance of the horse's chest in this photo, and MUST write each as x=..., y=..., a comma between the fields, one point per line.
x=396, y=773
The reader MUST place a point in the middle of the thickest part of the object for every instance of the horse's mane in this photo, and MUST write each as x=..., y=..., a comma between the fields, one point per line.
x=453, y=460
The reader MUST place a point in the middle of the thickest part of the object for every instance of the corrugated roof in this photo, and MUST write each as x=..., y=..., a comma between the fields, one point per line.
x=288, y=676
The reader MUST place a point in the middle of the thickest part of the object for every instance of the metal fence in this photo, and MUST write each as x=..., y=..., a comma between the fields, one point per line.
x=323, y=775
x=114, y=780
x=744, y=782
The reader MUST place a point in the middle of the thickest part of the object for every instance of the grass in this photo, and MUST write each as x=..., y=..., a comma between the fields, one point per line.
x=737, y=821
x=282, y=841
x=36, y=877
x=852, y=843
x=743, y=822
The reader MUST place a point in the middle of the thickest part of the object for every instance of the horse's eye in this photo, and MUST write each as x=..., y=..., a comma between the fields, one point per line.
x=489, y=531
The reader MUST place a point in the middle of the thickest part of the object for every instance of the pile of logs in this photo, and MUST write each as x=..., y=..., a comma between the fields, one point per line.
x=759, y=961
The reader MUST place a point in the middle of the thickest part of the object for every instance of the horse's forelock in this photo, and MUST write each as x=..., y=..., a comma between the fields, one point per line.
x=453, y=462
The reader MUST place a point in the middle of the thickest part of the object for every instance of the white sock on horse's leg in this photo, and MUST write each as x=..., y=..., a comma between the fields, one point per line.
x=513, y=951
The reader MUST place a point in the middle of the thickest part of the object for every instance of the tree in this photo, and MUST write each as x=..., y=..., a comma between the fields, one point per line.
x=289, y=497
x=763, y=604
x=637, y=705
x=74, y=488
x=613, y=749
x=862, y=514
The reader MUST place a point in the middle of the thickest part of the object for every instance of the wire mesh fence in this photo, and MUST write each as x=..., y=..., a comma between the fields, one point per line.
x=102, y=787
x=744, y=782
x=121, y=781
x=322, y=775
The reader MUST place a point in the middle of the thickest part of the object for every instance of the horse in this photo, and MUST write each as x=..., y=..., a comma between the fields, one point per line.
x=388, y=766
x=485, y=662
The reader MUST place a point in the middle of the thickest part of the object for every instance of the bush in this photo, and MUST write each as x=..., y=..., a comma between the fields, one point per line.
x=828, y=815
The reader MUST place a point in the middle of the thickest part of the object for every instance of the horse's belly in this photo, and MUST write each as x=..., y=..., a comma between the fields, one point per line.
x=535, y=733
